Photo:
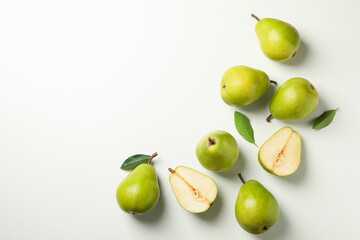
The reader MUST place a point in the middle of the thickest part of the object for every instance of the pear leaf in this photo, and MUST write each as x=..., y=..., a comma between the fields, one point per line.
x=324, y=119
x=134, y=161
x=244, y=128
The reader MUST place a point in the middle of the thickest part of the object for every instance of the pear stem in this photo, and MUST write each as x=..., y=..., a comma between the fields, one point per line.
x=255, y=17
x=241, y=178
x=268, y=119
x=274, y=82
x=171, y=170
x=152, y=156
x=212, y=141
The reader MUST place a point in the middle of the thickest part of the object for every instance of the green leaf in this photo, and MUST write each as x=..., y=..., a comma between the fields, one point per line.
x=244, y=127
x=324, y=119
x=134, y=161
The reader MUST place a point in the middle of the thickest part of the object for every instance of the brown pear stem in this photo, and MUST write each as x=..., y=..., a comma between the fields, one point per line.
x=212, y=141
x=241, y=178
x=293, y=54
x=171, y=170
x=274, y=82
x=268, y=119
x=152, y=156
x=255, y=17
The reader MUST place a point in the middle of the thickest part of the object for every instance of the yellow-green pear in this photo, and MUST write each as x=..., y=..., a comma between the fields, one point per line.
x=278, y=40
x=242, y=85
x=256, y=209
x=217, y=151
x=139, y=192
x=295, y=99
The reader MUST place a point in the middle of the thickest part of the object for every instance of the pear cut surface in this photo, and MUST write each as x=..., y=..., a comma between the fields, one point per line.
x=281, y=154
x=194, y=191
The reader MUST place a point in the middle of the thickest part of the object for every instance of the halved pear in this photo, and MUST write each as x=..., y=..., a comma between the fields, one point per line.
x=194, y=191
x=281, y=154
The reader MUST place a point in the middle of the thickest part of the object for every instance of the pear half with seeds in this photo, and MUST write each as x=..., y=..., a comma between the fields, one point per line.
x=281, y=154
x=194, y=191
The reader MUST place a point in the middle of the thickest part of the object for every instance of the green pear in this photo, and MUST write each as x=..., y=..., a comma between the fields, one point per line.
x=139, y=192
x=278, y=40
x=241, y=85
x=281, y=154
x=295, y=99
x=217, y=151
x=256, y=209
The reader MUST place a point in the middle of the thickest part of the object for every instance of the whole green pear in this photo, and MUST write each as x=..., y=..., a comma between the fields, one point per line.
x=139, y=192
x=241, y=85
x=256, y=209
x=278, y=40
x=217, y=151
x=295, y=99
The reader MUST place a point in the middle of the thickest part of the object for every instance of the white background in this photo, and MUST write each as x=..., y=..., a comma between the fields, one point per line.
x=86, y=84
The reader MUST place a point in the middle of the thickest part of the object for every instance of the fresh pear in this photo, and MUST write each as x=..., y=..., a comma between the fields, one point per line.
x=194, y=191
x=241, y=85
x=139, y=192
x=278, y=40
x=256, y=209
x=281, y=154
x=295, y=99
x=217, y=151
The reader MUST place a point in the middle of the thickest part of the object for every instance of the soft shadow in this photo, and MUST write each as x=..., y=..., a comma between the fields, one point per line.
x=238, y=167
x=300, y=55
x=263, y=102
x=321, y=108
x=214, y=210
x=152, y=218
x=276, y=231
x=298, y=176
